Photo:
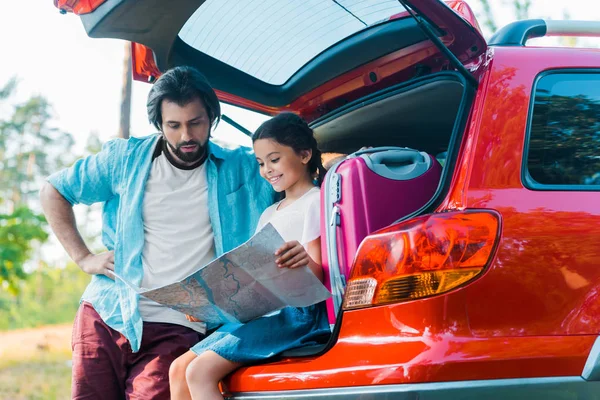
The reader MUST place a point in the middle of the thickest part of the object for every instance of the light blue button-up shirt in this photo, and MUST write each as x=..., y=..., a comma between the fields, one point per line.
x=117, y=176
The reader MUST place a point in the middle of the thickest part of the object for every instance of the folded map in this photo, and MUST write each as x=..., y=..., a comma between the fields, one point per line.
x=242, y=284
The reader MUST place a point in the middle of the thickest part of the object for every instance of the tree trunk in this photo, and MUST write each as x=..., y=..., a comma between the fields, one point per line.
x=126, y=94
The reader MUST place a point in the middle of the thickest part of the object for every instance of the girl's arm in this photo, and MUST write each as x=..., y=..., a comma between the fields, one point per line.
x=294, y=255
x=314, y=254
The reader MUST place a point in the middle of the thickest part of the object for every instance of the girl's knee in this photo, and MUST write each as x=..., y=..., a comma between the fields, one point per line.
x=195, y=371
x=202, y=369
x=177, y=370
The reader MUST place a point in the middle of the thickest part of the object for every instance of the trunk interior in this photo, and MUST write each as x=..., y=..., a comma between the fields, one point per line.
x=420, y=116
x=427, y=114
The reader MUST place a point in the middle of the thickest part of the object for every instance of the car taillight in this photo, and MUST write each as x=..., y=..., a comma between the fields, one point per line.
x=78, y=7
x=143, y=63
x=421, y=257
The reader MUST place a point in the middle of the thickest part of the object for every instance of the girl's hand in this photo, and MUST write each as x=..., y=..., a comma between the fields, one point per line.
x=292, y=255
x=192, y=319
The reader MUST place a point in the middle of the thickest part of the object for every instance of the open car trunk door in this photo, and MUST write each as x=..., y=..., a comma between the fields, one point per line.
x=269, y=56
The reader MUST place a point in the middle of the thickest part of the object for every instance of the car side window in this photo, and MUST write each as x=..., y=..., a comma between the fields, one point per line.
x=564, y=138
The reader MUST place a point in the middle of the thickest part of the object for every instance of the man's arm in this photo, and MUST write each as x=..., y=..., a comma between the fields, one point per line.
x=89, y=180
x=61, y=218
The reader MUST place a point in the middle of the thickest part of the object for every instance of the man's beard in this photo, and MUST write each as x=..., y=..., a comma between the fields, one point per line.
x=188, y=157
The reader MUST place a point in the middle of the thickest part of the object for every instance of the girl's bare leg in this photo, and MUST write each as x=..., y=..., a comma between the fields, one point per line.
x=177, y=379
x=204, y=374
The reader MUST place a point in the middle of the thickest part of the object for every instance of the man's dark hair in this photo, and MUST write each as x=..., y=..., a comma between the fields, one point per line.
x=182, y=85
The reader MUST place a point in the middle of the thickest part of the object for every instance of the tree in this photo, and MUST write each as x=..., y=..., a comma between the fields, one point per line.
x=520, y=9
x=488, y=16
x=30, y=149
x=17, y=231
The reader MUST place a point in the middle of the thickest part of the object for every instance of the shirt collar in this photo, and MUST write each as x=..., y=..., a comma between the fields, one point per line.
x=215, y=151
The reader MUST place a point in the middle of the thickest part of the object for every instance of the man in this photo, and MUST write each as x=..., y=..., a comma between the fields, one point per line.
x=172, y=202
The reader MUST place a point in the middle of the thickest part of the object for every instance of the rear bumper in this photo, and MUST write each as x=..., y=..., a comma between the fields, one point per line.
x=586, y=386
x=528, y=388
x=375, y=350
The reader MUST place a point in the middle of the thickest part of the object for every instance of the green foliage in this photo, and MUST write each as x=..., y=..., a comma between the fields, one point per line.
x=17, y=232
x=36, y=363
x=30, y=149
x=50, y=296
x=38, y=380
x=488, y=16
x=93, y=144
x=8, y=89
x=522, y=8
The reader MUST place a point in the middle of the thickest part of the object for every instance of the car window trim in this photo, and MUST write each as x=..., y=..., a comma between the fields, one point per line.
x=526, y=179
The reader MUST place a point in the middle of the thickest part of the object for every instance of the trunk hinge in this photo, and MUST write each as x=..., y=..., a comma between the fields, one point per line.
x=426, y=28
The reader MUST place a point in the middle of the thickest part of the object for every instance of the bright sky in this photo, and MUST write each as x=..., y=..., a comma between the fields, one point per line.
x=544, y=9
x=51, y=55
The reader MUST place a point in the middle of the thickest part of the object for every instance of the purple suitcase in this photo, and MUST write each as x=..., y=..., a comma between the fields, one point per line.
x=368, y=191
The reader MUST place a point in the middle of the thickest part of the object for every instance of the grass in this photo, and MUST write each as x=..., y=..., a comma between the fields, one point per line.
x=36, y=363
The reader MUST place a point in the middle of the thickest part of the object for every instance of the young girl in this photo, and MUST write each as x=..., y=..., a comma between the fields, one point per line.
x=287, y=154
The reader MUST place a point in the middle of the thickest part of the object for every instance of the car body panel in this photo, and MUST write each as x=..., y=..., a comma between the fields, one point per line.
x=417, y=342
x=523, y=318
x=547, y=261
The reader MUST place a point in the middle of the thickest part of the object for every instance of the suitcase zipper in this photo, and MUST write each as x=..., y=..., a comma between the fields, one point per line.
x=337, y=280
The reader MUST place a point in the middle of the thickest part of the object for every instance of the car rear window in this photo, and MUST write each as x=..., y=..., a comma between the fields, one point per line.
x=272, y=39
x=564, y=142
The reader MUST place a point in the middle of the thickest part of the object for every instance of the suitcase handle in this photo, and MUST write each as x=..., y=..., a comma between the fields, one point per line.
x=376, y=150
x=397, y=157
x=399, y=164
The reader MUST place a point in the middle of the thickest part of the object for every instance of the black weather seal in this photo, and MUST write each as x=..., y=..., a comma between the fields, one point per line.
x=519, y=32
x=441, y=46
x=236, y=125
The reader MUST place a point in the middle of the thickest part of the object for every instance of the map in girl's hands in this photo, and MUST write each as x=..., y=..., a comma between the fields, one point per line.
x=242, y=284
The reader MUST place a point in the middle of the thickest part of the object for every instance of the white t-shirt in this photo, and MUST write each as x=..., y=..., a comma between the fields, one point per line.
x=300, y=220
x=178, y=236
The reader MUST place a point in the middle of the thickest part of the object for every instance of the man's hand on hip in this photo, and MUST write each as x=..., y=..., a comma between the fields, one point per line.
x=99, y=264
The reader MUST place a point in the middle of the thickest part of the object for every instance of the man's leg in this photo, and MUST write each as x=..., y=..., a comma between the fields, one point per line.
x=149, y=368
x=98, y=360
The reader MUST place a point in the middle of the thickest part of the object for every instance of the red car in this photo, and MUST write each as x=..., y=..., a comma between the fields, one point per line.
x=496, y=292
